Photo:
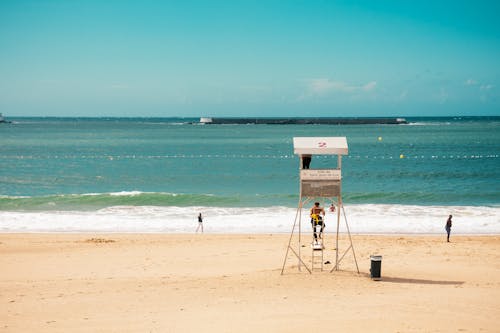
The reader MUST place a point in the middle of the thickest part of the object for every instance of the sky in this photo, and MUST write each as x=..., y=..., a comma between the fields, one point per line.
x=195, y=58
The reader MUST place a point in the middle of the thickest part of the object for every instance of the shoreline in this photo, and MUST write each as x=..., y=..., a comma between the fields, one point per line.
x=307, y=232
x=231, y=282
x=362, y=219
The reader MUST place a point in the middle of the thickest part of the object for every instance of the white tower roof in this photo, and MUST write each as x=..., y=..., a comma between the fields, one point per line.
x=320, y=145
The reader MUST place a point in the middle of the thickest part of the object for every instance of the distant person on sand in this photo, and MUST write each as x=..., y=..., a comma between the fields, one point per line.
x=448, y=227
x=317, y=214
x=306, y=161
x=200, y=223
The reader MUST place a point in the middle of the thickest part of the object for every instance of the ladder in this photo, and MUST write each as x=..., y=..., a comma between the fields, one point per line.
x=317, y=255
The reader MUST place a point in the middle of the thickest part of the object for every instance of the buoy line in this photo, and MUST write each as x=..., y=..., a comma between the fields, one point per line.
x=250, y=156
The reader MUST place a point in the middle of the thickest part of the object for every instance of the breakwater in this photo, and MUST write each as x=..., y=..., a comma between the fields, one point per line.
x=305, y=121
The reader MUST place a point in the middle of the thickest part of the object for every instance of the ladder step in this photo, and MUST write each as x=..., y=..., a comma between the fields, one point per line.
x=317, y=246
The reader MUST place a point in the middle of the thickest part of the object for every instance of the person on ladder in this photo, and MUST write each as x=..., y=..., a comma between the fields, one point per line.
x=317, y=215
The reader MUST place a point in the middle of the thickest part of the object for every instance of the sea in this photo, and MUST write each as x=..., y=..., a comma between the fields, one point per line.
x=155, y=175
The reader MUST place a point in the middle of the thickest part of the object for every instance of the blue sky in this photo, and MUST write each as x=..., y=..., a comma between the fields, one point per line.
x=249, y=58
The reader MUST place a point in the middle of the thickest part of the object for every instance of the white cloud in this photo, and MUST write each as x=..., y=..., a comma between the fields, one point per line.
x=470, y=82
x=370, y=86
x=486, y=87
x=322, y=86
x=482, y=86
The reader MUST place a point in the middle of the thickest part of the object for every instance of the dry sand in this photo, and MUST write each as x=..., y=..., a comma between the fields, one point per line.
x=232, y=283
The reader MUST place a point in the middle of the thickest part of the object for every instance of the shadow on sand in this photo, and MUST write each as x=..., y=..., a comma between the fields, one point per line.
x=390, y=279
x=419, y=281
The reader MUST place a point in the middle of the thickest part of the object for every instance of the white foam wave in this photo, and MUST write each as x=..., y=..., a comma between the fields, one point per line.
x=362, y=219
x=427, y=123
x=126, y=193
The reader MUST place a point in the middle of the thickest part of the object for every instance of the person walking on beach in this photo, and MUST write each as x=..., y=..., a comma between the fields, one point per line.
x=448, y=228
x=200, y=223
x=317, y=214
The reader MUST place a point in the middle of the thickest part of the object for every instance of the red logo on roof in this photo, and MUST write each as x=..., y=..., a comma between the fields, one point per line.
x=322, y=144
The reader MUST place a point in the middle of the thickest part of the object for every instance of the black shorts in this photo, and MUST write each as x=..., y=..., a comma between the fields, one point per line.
x=314, y=222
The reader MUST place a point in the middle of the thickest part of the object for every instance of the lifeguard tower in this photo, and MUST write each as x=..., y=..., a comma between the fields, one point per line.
x=325, y=184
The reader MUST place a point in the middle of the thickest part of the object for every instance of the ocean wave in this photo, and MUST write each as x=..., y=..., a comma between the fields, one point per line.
x=95, y=201
x=489, y=199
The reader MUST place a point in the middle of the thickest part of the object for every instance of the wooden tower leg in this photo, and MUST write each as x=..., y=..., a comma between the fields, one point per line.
x=350, y=239
x=351, y=246
x=298, y=219
x=339, y=203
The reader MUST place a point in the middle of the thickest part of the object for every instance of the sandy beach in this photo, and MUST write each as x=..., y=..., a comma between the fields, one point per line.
x=232, y=283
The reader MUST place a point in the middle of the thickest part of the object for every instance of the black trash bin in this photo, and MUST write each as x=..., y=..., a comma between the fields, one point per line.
x=376, y=267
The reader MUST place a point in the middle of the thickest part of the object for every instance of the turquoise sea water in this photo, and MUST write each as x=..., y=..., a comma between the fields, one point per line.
x=88, y=164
